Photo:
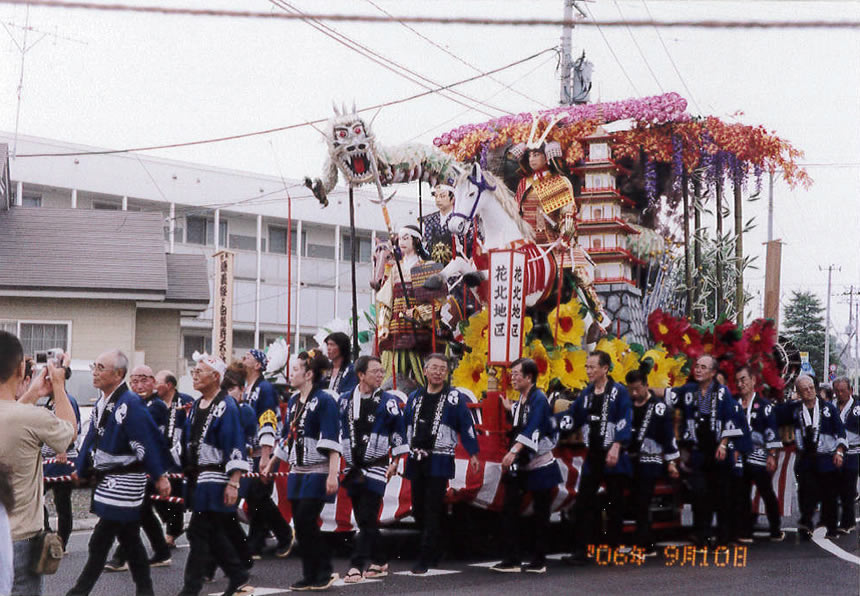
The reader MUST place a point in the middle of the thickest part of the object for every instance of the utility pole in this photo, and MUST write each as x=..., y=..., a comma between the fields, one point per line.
x=566, y=62
x=566, y=97
x=826, y=374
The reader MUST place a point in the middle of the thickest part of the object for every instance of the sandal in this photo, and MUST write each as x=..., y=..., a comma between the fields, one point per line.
x=376, y=571
x=353, y=576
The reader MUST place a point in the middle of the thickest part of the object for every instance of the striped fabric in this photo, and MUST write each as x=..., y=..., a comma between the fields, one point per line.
x=121, y=490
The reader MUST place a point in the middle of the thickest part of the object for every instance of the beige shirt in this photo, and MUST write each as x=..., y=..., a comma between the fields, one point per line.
x=25, y=428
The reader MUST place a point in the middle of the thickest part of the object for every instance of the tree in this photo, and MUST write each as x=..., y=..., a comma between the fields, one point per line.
x=804, y=326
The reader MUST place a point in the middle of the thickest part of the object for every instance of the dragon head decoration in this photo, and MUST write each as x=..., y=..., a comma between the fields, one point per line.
x=352, y=145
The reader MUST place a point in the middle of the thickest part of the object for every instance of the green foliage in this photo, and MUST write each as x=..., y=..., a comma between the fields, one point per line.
x=804, y=326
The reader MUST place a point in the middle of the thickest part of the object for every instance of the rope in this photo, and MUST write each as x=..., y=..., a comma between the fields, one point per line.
x=533, y=22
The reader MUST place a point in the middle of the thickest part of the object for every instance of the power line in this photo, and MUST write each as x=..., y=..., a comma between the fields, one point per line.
x=641, y=53
x=531, y=22
x=381, y=60
x=289, y=126
x=453, y=55
x=672, y=60
x=612, y=51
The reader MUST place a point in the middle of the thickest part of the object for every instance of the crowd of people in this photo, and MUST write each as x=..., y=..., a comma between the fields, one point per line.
x=151, y=452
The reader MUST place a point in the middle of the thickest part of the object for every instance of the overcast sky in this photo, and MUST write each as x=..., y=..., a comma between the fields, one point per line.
x=122, y=80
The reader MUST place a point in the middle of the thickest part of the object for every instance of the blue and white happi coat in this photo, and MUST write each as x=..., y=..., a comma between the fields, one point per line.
x=534, y=426
x=815, y=448
x=122, y=445
x=451, y=419
x=850, y=416
x=57, y=469
x=656, y=438
x=387, y=436
x=615, y=421
x=761, y=418
x=310, y=433
x=263, y=398
x=219, y=453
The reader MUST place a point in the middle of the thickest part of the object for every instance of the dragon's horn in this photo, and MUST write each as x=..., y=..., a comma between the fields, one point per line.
x=334, y=107
x=354, y=111
x=345, y=111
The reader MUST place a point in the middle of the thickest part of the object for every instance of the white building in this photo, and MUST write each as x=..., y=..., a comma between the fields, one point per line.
x=204, y=208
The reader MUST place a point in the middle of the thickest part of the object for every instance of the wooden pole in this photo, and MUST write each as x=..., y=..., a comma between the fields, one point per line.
x=688, y=273
x=353, y=257
x=739, y=254
x=772, y=269
x=718, y=212
x=697, y=246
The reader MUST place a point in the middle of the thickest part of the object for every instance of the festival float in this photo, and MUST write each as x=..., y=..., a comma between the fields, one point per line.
x=573, y=215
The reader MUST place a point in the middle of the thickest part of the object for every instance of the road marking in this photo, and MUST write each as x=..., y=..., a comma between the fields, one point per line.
x=429, y=573
x=259, y=592
x=819, y=539
x=340, y=583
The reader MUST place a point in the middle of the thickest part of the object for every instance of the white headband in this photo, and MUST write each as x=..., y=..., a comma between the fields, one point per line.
x=410, y=232
x=212, y=362
x=447, y=187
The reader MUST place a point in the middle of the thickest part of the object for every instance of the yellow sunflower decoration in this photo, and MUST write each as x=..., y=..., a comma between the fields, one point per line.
x=623, y=358
x=537, y=352
x=676, y=372
x=571, y=327
x=659, y=375
x=569, y=368
x=475, y=334
x=527, y=326
x=471, y=373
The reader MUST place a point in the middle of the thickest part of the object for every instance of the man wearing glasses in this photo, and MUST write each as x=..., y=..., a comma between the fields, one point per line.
x=120, y=448
x=142, y=382
x=435, y=415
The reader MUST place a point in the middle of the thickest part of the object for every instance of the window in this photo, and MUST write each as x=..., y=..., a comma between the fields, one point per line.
x=597, y=213
x=196, y=343
x=242, y=242
x=201, y=230
x=243, y=340
x=177, y=233
x=596, y=243
x=278, y=240
x=31, y=200
x=106, y=206
x=364, y=248
x=37, y=337
x=320, y=251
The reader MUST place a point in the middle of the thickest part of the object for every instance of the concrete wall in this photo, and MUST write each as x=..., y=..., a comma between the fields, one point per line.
x=95, y=325
x=158, y=337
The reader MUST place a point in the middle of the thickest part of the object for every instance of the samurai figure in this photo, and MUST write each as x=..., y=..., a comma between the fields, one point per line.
x=545, y=197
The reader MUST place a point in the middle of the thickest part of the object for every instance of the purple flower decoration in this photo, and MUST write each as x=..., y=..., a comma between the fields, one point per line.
x=677, y=163
x=651, y=183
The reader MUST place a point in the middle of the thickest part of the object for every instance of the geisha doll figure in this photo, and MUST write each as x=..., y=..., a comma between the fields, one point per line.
x=405, y=316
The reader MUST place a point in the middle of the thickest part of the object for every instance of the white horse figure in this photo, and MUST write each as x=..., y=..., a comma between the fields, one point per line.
x=478, y=192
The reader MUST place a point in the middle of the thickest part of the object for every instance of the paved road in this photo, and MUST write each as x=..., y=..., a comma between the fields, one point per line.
x=791, y=567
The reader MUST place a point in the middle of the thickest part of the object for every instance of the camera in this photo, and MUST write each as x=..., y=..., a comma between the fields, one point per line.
x=54, y=355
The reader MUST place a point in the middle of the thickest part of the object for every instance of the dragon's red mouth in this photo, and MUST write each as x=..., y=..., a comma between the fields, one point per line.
x=359, y=164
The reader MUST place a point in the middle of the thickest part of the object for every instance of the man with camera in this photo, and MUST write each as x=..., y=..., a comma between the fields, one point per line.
x=26, y=429
x=120, y=448
x=528, y=466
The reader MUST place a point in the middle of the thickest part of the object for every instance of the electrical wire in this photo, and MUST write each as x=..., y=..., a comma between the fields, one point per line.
x=453, y=55
x=639, y=48
x=381, y=60
x=672, y=60
x=612, y=51
x=289, y=126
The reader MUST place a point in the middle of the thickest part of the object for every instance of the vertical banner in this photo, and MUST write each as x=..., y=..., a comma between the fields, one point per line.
x=222, y=307
x=772, y=269
x=507, y=306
